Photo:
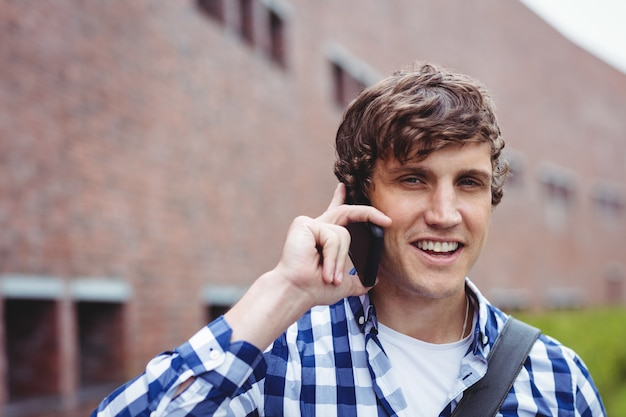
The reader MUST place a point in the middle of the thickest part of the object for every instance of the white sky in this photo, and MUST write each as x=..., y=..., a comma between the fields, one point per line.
x=597, y=25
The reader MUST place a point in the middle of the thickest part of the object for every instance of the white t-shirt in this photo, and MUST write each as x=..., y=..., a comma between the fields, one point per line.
x=425, y=371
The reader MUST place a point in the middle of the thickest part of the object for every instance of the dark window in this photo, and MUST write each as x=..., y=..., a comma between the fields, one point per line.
x=276, y=38
x=558, y=192
x=213, y=311
x=242, y=21
x=101, y=342
x=345, y=86
x=246, y=26
x=32, y=348
x=213, y=8
x=559, y=188
x=608, y=202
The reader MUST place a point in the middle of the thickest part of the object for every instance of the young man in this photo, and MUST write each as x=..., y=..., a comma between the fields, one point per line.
x=419, y=154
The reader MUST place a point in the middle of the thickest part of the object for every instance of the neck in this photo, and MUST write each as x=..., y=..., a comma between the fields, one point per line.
x=441, y=320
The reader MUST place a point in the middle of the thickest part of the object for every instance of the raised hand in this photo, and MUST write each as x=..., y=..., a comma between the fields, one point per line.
x=311, y=271
x=316, y=251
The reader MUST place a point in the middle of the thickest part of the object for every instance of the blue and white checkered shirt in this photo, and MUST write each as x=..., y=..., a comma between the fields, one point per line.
x=331, y=363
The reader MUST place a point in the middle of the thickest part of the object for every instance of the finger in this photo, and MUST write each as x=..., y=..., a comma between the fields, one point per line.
x=333, y=242
x=339, y=254
x=345, y=213
x=339, y=196
x=342, y=256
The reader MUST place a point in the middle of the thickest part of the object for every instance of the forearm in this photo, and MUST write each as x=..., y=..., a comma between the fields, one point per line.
x=204, y=361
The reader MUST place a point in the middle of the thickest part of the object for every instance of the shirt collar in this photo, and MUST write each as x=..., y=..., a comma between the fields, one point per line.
x=485, y=332
x=364, y=313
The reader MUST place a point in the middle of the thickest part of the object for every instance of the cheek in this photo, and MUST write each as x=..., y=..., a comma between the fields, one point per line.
x=402, y=223
x=402, y=211
x=479, y=222
x=403, y=227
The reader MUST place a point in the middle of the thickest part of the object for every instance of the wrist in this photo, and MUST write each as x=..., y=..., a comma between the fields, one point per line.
x=266, y=310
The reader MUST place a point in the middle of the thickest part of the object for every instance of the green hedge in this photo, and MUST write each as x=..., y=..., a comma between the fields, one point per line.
x=599, y=338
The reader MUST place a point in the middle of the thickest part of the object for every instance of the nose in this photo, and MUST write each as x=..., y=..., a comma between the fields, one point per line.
x=443, y=210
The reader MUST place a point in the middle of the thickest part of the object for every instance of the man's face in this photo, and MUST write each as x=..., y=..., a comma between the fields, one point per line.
x=441, y=208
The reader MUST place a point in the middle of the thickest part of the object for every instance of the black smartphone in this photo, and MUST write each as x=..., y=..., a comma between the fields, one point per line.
x=365, y=249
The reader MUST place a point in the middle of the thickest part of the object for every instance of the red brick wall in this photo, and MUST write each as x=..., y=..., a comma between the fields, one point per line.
x=147, y=142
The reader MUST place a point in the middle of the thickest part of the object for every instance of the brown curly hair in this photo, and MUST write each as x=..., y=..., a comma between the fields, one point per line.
x=411, y=114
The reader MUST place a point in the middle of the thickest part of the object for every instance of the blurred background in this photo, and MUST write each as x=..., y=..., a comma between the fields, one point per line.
x=153, y=154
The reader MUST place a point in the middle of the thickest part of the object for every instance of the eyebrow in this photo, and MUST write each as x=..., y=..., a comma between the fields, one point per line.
x=420, y=170
x=479, y=173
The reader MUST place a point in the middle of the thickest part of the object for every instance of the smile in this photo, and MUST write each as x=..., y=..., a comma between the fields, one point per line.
x=437, y=247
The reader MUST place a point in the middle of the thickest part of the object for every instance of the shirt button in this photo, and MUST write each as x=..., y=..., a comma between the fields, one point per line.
x=485, y=340
x=215, y=354
x=361, y=320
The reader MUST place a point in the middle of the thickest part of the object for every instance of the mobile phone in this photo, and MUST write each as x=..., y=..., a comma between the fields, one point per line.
x=365, y=249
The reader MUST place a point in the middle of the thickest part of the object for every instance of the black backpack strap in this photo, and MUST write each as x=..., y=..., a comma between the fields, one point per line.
x=505, y=361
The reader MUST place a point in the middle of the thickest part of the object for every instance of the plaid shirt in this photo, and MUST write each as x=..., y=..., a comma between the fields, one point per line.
x=331, y=363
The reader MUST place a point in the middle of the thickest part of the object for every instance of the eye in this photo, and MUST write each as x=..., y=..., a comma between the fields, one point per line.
x=469, y=182
x=473, y=182
x=411, y=180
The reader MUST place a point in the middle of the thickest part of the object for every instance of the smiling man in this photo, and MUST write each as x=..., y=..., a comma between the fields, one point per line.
x=440, y=208
x=419, y=154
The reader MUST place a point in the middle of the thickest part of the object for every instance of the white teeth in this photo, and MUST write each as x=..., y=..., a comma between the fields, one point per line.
x=438, y=247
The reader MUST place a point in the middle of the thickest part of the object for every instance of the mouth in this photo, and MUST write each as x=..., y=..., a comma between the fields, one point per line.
x=440, y=248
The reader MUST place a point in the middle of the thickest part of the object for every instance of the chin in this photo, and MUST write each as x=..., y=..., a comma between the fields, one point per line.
x=439, y=287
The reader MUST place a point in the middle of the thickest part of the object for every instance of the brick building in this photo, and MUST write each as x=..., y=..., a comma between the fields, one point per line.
x=153, y=154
